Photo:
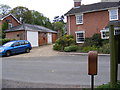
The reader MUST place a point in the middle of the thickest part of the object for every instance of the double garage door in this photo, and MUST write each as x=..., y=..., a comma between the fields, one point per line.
x=33, y=38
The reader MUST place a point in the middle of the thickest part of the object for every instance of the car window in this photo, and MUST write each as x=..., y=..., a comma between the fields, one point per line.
x=26, y=42
x=22, y=43
x=17, y=44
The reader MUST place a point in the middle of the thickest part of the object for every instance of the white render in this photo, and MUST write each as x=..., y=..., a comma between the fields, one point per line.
x=110, y=0
x=32, y=37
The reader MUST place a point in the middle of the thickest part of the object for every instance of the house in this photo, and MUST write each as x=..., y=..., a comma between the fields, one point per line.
x=84, y=21
x=37, y=35
x=10, y=19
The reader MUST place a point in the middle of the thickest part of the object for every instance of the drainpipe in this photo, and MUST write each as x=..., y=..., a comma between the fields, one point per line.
x=69, y=25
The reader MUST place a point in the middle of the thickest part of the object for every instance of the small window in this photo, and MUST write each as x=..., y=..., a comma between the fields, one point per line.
x=117, y=32
x=80, y=37
x=10, y=25
x=104, y=34
x=113, y=14
x=79, y=19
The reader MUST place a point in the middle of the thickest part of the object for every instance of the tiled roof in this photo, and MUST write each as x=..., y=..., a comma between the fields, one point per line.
x=3, y=17
x=93, y=7
x=29, y=27
x=115, y=23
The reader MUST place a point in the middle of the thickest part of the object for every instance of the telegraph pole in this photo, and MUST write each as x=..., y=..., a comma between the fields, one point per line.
x=113, y=58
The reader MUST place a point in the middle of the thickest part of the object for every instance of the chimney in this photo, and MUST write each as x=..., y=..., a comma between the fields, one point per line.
x=77, y=3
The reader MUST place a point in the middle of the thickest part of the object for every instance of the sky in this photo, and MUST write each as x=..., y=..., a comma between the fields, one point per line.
x=49, y=8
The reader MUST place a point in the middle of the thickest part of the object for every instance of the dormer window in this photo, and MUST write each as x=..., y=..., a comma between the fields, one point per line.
x=113, y=14
x=79, y=19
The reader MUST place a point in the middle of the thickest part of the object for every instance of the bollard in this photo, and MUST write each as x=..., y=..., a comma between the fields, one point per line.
x=92, y=66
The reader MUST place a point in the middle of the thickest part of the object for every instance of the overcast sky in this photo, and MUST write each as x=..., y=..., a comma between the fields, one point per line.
x=50, y=8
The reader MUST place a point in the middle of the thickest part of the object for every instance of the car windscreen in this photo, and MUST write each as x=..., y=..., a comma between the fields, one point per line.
x=8, y=44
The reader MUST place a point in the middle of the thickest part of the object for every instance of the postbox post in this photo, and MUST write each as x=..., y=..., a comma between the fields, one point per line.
x=92, y=66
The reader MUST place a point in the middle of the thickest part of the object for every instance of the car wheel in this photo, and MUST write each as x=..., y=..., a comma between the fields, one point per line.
x=8, y=53
x=27, y=50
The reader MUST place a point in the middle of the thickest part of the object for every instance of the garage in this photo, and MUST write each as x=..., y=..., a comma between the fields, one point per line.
x=32, y=37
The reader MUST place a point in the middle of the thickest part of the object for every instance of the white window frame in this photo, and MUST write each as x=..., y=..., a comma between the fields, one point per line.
x=81, y=37
x=113, y=16
x=78, y=21
x=105, y=30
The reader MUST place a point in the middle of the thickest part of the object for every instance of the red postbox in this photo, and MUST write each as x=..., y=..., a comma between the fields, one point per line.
x=92, y=62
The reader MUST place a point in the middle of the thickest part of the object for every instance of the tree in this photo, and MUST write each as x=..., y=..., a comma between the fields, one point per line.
x=59, y=19
x=59, y=25
x=4, y=27
x=40, y=19
x=4, y=9
x=23, y=14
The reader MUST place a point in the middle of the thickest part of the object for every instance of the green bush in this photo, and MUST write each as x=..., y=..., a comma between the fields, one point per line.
x=71, y=48
x=63, y=42
x=57, y=47
x=107, y=86
x=3, y=41
x=95, y=40
x=105, y=49
x=89, y=48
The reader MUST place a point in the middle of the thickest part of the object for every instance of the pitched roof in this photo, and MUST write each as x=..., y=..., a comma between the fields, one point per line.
x=115, y=23
x=93, y=7
x=29, y=27
x=1, y=18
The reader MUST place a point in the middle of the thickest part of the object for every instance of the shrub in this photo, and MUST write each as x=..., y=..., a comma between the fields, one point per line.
x=107, y=86
x=3, y=41
x=63, y=42
x=95, y=40
x=89, y=48
x=71, y=48
x=57, y=47
x=105, y=49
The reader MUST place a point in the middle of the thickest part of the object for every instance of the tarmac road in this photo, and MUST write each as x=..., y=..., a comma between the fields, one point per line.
x=53, y=71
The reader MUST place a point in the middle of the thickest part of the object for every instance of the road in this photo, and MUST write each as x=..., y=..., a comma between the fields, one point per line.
x=59, y=70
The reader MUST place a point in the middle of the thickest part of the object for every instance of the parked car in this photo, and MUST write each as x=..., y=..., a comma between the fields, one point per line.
x=14, y=47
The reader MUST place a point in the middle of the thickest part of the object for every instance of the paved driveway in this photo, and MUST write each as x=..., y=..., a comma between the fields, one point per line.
x=45, y=50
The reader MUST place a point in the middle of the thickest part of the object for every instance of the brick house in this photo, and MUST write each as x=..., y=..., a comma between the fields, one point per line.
x=10, y=19
x=37, y=35
x=84, y=21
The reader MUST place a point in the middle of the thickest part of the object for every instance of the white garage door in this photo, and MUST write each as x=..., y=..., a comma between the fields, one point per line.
x=49, y=38
x=32, y=37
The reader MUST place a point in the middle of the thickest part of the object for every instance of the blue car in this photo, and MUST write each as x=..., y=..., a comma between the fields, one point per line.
x=14, y=47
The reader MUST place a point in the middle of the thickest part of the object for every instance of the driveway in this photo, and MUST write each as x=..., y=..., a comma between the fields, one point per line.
x=45, y=50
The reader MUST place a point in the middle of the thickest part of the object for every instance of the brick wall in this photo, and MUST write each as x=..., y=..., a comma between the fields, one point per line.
x=18, y=35
x=92, y=23
x=0, y=25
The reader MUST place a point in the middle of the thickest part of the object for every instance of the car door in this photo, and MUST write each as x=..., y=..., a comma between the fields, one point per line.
x=16, y=48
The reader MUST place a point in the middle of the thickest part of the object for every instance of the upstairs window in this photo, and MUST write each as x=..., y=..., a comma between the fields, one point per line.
x=79, y=19
x=80, y=36
x=10, y=25
x=113, y=14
